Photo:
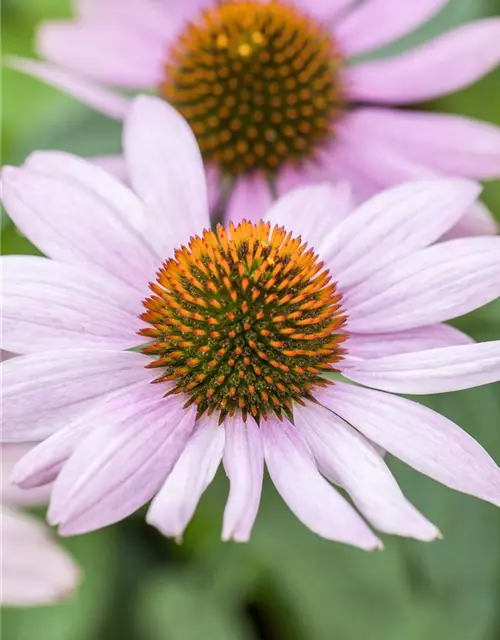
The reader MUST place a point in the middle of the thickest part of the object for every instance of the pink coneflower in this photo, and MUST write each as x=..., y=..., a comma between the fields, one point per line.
x=274, y=93
x=33, y=569
x=239, y=331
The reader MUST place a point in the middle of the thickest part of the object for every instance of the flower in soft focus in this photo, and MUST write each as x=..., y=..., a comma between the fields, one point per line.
x=33, y=569
x=275, y=96
x=239, y=332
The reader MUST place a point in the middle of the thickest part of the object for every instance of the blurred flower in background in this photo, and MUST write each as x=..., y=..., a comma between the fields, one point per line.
x=277, y=96
x=33, y=568
x=243, y=324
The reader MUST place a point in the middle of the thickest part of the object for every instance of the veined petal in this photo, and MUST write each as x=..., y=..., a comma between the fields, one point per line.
x=49, y=305
x=167, y=172
x=422, y=438
x=432, y=285
x=449, y=62
x=80, y=223
x=377, y=345
x=250, y=199
x=374, y=23
x=430, y=371
x=109, y=51
x=43, y=392
x=34, y=569
x=10, y=494
x=324, y=9
x=244, y=465
x=122, y=462
x=105, y=100
x=346, y=456
x=394, y=224
x=312, y=212
x=174, y=505
x=449, y=144
x=316, y=503
x=477, y=221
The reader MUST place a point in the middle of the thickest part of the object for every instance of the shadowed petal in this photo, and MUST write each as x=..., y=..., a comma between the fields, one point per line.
x=43, y=392
x=345, y=456
x=374, y=23
x=250, y=199
x=422, y=438
x=316, y=503
x=431, y=371
x=450, y=62
x=174, y=505
x=244, y=465
x=122, y=462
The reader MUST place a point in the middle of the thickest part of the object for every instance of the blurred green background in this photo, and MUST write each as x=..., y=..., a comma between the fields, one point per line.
x=287, y=584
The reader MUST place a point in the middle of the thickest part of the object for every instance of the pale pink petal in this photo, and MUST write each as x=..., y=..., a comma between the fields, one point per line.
x=446, y=143
x=432, y=370
x=9, y=492
x=450, y=62
x=105, y=100
x=422, y=438
x=43, y=392
x=114, y=52
x=477, y=221
x=244, y=465
x=315, y=503
x=377, y=345
x=323, y=9
x=174, y=505
x=115, y=165
x=34, y=569
x=250, y=199
x=79, y=223
x=167, y=172
x=213, y=178
x=49, y=305
x=393, y=224
x=344, y=455
x=42, y=464
x=122, y=462
x=312, y=212
x=374, y=23
x=431, y=285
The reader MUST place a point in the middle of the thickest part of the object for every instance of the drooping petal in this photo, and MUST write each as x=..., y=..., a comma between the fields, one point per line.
x=374, y=23
x=114, y=52
x=82, y=224
x=113, y=164
x=422, y=438
x=43, y=392
x=393, y=224
x=317, y=504
x=11, y=494
x=105, y=100
x=122, y=462
x=449, y=62
x=346, y=456
x=431, y=371
x=50, y=305
x=34, y=569
x=377, y=345
x=312, y=212
x=250, y=199
x=167, y=172
x=447, y=143
x=432, y=285
x=174, y=505
x=244, y=465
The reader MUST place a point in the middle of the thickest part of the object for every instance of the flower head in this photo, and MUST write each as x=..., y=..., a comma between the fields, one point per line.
x=230, y=357
x=276, y=94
